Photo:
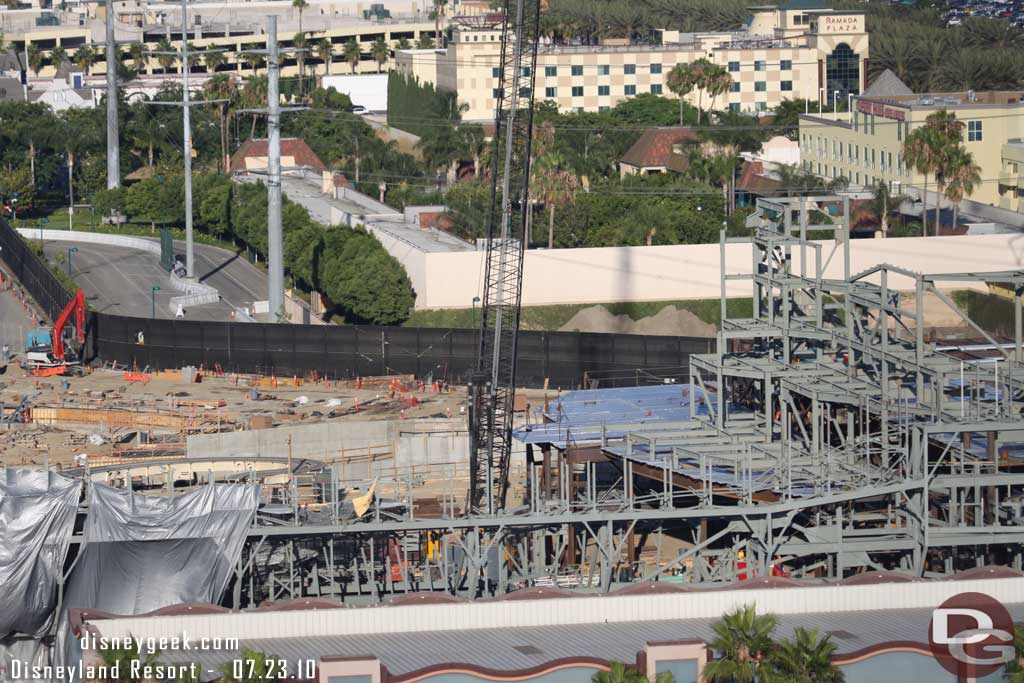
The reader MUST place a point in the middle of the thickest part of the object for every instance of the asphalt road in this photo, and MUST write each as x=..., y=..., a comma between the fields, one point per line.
x=15, y=322
x=119, y=280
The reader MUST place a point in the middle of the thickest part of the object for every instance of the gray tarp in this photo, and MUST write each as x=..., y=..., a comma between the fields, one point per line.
x=37, y=516
x=143, y=552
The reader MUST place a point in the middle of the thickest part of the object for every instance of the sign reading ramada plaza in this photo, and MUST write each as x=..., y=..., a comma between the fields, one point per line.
x=842, y=23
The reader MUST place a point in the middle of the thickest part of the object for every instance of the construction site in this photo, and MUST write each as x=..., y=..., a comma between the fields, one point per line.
x=827, y=435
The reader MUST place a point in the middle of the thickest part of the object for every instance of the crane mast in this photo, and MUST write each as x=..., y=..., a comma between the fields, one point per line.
x=492, y=387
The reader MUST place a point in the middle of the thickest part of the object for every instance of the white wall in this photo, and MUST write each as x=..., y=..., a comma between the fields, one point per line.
x=368, y=90
x=571, y=276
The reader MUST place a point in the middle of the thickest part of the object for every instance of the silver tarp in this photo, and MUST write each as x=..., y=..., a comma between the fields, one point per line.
x=143, y=552
x=37, y=517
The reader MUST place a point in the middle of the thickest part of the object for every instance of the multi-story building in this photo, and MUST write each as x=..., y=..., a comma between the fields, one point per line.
x=865, y=145
x=797, y=50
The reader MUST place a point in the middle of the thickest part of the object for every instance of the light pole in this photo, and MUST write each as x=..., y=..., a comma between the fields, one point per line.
x=821, y=96
x=71, y=250
x=14, y=215
x=475, y=299
x=849, y=102
x=835, y=101
x=153, y=292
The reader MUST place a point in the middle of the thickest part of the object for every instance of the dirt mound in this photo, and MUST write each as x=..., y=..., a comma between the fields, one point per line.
x=669, y=321
x=674, y=321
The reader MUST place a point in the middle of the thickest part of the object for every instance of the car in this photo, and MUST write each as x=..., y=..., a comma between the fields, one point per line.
x=358, y=109
x=19, y=209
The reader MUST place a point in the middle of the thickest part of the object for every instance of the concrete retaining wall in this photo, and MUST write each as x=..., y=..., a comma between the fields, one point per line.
x=92, y=238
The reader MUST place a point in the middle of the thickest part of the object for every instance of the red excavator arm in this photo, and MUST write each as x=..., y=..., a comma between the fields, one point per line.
x=75, y=307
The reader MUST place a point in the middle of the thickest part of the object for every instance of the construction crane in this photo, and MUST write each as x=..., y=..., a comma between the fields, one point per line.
x=492, y=387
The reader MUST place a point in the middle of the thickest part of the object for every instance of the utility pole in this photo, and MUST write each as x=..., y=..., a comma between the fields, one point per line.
x=275, y=244
x=113, y=146
x=190, y=261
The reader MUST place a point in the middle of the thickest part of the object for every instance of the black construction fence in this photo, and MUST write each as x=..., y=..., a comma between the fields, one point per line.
x=560, y=359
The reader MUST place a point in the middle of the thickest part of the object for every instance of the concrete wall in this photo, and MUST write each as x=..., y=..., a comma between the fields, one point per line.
x=417, y=442
x=573, y=276
x=367, y=90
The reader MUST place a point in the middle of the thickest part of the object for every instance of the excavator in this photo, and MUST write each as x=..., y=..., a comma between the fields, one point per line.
x=54, y=351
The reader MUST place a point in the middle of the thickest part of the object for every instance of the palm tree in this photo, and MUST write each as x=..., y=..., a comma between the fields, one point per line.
x=58, y=56
x=146, y=133
x=193, y=57
x=35, y=58
x=352, y=54
x=439, y=10
x=918, y=153
x=474, y=144
x=166, y=57
x=403, y=44
x=300, y=5
x=556, y=183
x=379, y=52
x=806, y=659
x=214, y=60
x=84, y=58
x=302, y=45
x=137, y=53
x=254, y=95
x=962, y=175
x=253, y=61
x=680, y=80
x=744, y=640
x=325, y=51
x=947, y=134
x=125, y=657
x=717, y=81
x=424, y=42
x=1015, y=668
x=882, y=204
x=222, y=87
x=992, y=33
x=620, y=673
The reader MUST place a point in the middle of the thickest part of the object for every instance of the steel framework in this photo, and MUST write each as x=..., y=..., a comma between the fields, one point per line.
x=826, y=437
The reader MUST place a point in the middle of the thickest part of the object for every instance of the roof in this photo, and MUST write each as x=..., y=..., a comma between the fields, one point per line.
x=65, y=70
x=141, y=173
x=753, y=180
x=10, y=61
x=253, y=154
x=654, y=148
x=804, y=4
x=11, y=90
x=887, y=84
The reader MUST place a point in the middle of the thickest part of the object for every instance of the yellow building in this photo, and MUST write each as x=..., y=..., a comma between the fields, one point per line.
x=865, y=145
x=797, y=50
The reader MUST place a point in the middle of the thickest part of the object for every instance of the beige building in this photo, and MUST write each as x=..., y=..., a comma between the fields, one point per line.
x=797, y=50
x=865, y=146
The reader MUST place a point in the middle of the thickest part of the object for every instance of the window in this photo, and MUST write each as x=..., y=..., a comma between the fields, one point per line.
x=873, y=121
x=888, y=160
x=602, y=69
x=856, y=120
x=734, y=67
x=761, y=106
x=551, y=92
x=577, y=91
x=786, y=86
x=872, y=159
x=856, y=178
x=734, y=106
x=496, y=93
x=630, y=89
x=577, y=69
x=655, y=68
x=629, y=69
x=842, y=71
x=496, y=72
x=525, y=71
x=833, y=150
x=974, y=131
x=759, y=65
x=655, y=88
x=604, y=90
x=734, y=86
x=856, y=154
x=551, y=71
x=865, y=156
x=603, y=108
x=760, y=86
x=786, y=65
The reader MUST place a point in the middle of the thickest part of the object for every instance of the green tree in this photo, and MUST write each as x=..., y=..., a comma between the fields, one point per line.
x=379, y=52
x=403, y=43
x=300, y=5
x=325, y=51
x=620, y=673
x=744, y=642
x=254, y=61
x=124, y=658
x=84, y=58
x=439, y=11
x=961, y=176
x=222, y=87
x=166, y=58
x=352, y=54
x=58, y=56
x=302, y=45
x=805, y=659
x=254, y=96
x=1014, y=671
x=557, y=184
x=919, y=154
x=16, y=181
x=35, y=58
x=213, y=60
x=681, y=80
x=424, y=42
x=137, y=53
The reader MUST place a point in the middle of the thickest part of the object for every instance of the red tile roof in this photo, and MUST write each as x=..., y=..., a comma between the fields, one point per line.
x=654, y=148
x=753, y=180
x=255, y=150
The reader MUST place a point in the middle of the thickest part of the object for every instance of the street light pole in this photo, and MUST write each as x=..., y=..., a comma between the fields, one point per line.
x=153, y=292
x=835, y=101
x=71, y=250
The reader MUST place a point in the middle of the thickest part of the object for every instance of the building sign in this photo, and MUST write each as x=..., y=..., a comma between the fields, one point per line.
x=879, y=109
x=841, y=23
